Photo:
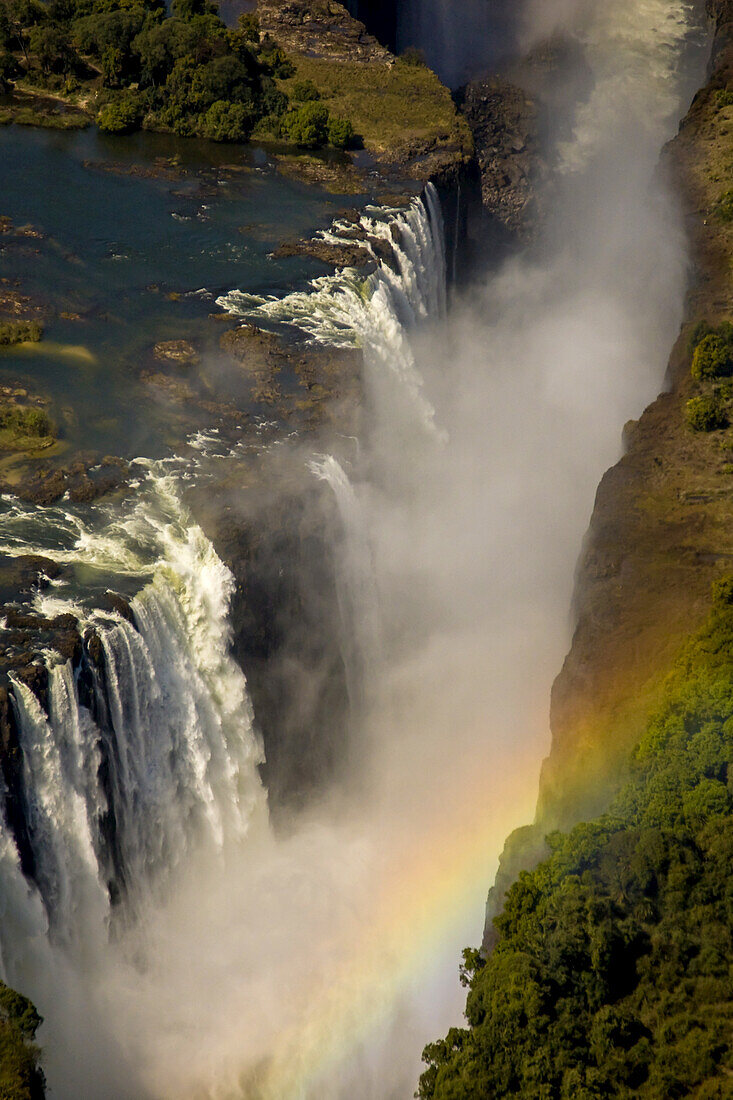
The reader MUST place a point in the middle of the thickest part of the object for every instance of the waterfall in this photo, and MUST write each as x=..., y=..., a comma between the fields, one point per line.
x=378, y=312
x=356, y=587
x=158, y=757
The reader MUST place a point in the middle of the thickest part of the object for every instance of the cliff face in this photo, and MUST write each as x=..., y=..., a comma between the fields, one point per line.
x=660, y=533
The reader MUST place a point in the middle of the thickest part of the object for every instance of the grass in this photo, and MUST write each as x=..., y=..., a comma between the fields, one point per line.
x=390, y=107
x=52, y=120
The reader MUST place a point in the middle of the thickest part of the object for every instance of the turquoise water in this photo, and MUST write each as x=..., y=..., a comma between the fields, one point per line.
x=140, y=234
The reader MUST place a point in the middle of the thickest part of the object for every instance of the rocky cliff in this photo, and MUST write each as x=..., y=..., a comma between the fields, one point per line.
x=660, y=533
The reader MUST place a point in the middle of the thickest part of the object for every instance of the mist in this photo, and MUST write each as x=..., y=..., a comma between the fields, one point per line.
x=458, y=41
x=317, y=962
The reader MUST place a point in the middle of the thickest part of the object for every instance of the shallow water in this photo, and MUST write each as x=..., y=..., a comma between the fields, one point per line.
x=140, y=235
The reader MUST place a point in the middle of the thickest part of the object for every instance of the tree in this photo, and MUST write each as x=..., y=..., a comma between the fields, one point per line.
x=340, y=132
x=8, y=70
x=228, y=122
x=121, y=116
x=113, y=66
x=53, y=49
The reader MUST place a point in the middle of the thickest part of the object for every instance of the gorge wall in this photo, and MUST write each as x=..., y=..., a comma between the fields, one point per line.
x=660, y=533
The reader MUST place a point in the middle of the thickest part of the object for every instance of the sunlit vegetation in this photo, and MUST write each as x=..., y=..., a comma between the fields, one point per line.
x=389, y=107
x=706, y=413
x=25, y=429
x=136, y=63
x=20, y=1075
x=20, y=332
x=611, y=976
x=713, y=354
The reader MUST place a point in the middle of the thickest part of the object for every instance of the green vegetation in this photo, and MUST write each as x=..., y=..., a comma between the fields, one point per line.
x=20, y=1075
x=26, y=421
x=51, y=120
x=121, y=116
x=303, y=91
x=724, y=98
x=390, y=107
x=307, y=125
x=413, y=56
x=135, y=63
x=20, y=332
x=713, y=355
x=612, y=972
x=705, y=413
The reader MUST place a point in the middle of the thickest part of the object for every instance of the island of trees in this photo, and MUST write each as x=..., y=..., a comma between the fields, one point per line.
x=135, y=64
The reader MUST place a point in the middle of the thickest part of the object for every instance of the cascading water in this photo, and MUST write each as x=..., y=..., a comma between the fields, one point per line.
x=165, y=752
x=146, y=760
x=375, y=313
x=357, y=594
x=239, y=964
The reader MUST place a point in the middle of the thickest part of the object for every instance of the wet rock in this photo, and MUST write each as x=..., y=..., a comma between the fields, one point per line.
x=111, y=601
x=85, y=479
x=504, y=123
x=176, y=351
x=341, y=255
x=14, y=794
x=24, y=575
x=336, y=175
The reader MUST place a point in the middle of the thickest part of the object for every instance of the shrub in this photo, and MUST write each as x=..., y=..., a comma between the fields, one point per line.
x=249, y=25
x=705, y=414
x=306, y=126
x=698, y=332
x=120, y=116
x=227, y=122
x=413, y=56
x=20, y=332
x=304, y=91
x=713, y=357
x=724, y=98
x=26, y=421
x=340, y=132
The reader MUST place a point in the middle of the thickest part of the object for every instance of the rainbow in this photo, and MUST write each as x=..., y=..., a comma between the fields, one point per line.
x=427, y=888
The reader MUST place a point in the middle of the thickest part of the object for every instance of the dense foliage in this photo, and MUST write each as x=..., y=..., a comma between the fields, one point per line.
x=178, y=69
x=20, y=332
x=613, y=971
x=20, y=1076
x=705, y=413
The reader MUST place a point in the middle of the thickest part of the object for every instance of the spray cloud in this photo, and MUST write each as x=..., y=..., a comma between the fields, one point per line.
x=317, y=963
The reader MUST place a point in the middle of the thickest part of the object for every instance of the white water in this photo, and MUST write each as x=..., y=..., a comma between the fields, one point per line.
x=180, y=749
x=375, y=313
x=240, y=958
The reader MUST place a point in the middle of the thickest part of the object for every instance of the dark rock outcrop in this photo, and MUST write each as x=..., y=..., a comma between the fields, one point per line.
x=278, y=536
x=322, y=28
x=503, y=121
